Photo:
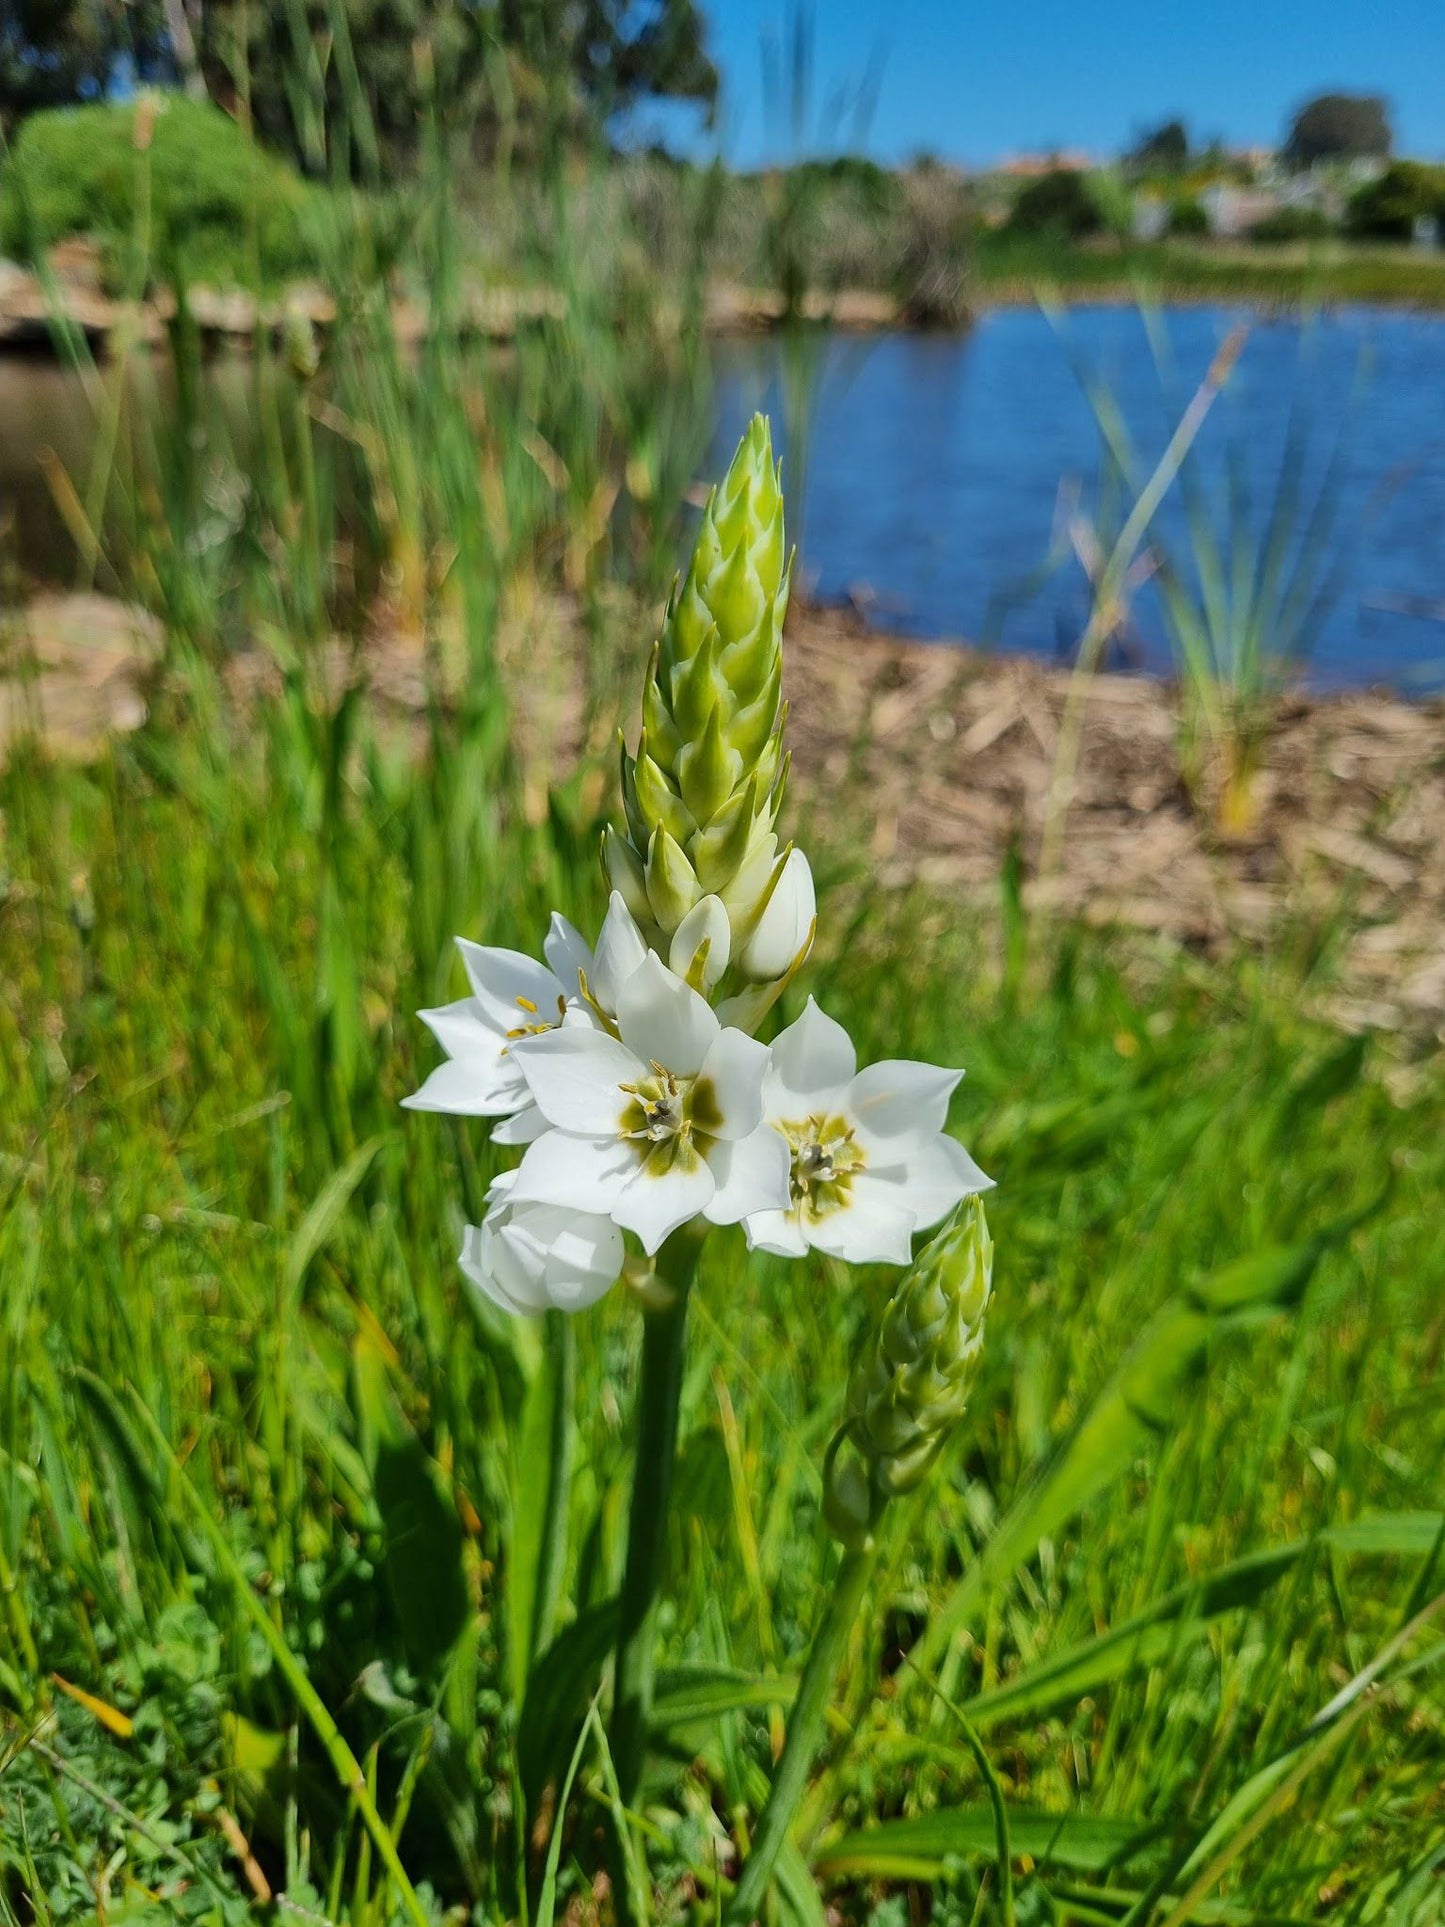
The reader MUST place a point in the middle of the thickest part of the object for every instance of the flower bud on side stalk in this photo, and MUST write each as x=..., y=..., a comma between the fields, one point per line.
x=698, y=863
x=910, y=1387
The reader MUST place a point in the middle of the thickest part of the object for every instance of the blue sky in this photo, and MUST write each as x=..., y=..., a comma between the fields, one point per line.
x=972, y=81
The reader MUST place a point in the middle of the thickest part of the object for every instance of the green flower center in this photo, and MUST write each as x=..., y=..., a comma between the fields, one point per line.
x=669, y=1121
x=826, y=1159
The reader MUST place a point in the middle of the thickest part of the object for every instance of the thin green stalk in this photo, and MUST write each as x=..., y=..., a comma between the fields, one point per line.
x=664, y=1331
x=552, y=1562
x=805, y=1736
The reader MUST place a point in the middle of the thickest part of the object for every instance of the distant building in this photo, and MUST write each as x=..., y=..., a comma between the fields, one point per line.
x=1233, y=211
x=1067, y=160
x=1149, y=220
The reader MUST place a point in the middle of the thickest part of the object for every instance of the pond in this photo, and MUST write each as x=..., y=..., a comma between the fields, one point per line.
x=950, y=483
x=943, y=476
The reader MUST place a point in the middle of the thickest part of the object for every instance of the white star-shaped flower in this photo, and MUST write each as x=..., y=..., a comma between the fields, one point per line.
x=532, y=1258
x=514, y=996
x=658, y=1125
x=870, y=1163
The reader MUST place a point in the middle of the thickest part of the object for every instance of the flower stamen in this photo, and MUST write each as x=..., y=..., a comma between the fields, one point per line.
x=826, y=1159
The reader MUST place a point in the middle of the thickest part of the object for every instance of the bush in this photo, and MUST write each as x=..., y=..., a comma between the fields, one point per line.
x=1292, y=224
x=78, y=170
x=1187, y=216
x=1059, y=204
x=1388, y=208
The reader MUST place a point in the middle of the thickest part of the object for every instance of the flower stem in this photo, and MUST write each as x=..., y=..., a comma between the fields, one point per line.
x=551, y=1566
x=805, y=1736
x=660, y=1387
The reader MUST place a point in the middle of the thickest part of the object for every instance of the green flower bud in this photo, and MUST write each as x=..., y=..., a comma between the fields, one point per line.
x=703, y=792
x=910, y=1386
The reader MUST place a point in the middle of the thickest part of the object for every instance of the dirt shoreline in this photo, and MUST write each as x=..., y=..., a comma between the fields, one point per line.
x=949, y=758
x=31, y=317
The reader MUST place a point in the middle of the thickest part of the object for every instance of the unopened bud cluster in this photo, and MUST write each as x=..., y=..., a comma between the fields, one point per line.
x=700, y=852
x=911, y=1385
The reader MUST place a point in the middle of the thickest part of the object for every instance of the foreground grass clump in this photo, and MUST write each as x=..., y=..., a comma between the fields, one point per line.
x=258, y=1446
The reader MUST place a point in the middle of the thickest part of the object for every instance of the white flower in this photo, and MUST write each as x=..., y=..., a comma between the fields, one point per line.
x=658, y=1125
x=514, y=996
x=870, y=1163
x=784, y=931
x=531, y=1258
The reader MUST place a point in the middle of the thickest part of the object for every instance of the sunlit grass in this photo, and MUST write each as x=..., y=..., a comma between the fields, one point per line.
x=230, y=1290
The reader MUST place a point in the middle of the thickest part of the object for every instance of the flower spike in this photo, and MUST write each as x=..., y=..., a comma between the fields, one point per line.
x=702, y=794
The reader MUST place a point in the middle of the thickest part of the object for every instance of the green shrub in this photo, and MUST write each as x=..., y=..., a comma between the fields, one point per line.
x=1187, y=216
x=1292, y=224
x=1058, y=204
x=81, y=170
x=1388, y=208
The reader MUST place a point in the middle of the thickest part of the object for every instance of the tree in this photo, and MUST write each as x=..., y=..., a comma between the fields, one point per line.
x=1339, y=127
x=1387, y=209
x=323, y=77
x=1163, y=150
x=1059, y=204
x=55, y=52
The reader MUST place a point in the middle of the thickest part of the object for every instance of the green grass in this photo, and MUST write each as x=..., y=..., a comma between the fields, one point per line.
x=1013, y=269
x=270, y=1484
x=216, y=1217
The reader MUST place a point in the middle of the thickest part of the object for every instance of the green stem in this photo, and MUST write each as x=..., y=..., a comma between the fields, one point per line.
x=805, y=1737
x=552, y=1562
x=664, y=1329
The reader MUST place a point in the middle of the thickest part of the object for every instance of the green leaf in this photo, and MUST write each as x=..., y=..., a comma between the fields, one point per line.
x=1136, y=1406
x=422, y=1543
x=324, y=1213
x=531, y=1470
x=562, y=1682
x=799, y=1904
x=1150, y=1635
x=921, y=1849
x=685, y=1695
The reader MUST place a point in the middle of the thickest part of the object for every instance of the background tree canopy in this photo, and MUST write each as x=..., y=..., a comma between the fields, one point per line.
x=310, y=67
x=1338, y=127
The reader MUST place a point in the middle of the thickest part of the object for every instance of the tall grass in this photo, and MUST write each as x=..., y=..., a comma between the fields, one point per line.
x=269, y=1526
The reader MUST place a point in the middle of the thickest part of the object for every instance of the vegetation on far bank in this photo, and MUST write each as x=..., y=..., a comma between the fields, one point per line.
x=177, y=185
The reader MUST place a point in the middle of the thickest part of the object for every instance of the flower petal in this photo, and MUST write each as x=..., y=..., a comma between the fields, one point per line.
x=479, y=1267
x=620, y=950
x=567, y=952
x=478, y=1079
x=654, y=1207
x=811, y=1064
x=783, y=930
x=585, y=1262
x=706, y=922
x=584, y=1173
x=869, y=1229
x=775, y=1231
x=522, y=1126
x=930, y=1179
x=510, y=987
x=900, y=1099
x=574, y=1075
x=751, y=1175
x=731, y=1076
x=663, y=1021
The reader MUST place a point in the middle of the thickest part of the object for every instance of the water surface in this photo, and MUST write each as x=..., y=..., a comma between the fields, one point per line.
x=941, y=471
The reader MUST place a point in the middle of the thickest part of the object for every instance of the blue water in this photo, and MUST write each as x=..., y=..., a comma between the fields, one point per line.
x=942, y=474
